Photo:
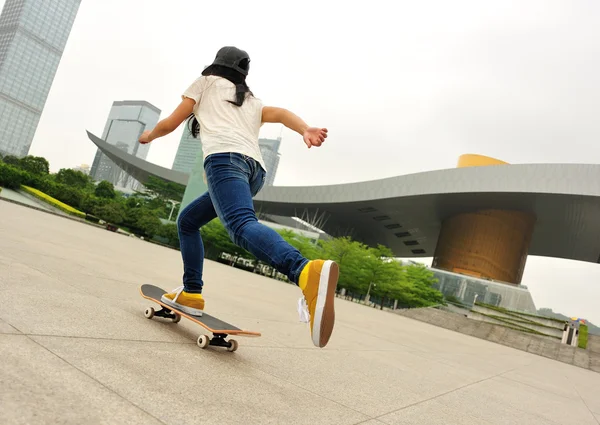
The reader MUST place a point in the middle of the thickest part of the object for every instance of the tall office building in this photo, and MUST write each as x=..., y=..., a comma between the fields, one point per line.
x=33, y=35
x=269, y=149
x=126, y=121
x=189, y=148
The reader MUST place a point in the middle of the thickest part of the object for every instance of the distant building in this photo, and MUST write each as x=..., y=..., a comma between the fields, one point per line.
x=189, y=148
x=33, y=35
x=269, y=148
x=468, y=289
x=84, y=168
x=126, y=121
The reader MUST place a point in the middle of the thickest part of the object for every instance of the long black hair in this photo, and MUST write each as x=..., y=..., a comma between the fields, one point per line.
x=241, y=91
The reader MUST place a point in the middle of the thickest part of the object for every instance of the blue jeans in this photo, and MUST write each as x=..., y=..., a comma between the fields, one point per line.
x=233, y=179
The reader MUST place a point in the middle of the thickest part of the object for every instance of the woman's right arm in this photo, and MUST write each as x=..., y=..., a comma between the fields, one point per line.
x=313, y=136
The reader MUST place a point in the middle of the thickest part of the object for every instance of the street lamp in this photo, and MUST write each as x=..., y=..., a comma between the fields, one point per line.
x=173, y=207
x=369, y=292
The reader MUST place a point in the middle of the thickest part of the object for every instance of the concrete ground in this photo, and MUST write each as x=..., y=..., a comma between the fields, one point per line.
x=13, y=195
x=75, y=348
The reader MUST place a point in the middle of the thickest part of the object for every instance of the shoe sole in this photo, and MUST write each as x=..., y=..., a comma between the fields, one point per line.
x=187, y=310
x=324, y=310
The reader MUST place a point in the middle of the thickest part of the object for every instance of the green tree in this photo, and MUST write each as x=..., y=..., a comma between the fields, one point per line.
x=419, y=273
x=216, y=240
x=11, y=177
x=350, y=256
x=69, y=195
x=73, y=178
x=135, y=201
x=149, y=223
x=112, y=212
x=421, y=293
x=140, y=219
x=35, y=165
x=386, y=274
x=105, y=189
x=163, y=190
x=90, y=203
x=169, y=232
x=378, y=267
x=11, y=160
x=132, y=214
x=303, y=244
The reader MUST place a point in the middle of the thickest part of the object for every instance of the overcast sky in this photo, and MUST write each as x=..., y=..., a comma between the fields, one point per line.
x=403, y=87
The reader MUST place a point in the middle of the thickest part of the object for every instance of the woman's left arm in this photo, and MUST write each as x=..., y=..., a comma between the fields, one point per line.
x=169, y=124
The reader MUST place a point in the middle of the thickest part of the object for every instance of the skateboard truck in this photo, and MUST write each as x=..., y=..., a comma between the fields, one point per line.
x=163, y=312
x=218, y=340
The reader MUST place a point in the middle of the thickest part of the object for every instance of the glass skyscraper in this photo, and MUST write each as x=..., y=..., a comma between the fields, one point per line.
x=33, y=35
x=189, y=148
x=126, y=121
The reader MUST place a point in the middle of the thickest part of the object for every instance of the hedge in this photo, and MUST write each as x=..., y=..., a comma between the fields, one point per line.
x=583, y=336
x=55, y=202
x=11, y=177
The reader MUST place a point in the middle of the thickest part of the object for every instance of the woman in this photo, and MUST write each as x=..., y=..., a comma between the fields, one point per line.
x=221, y=107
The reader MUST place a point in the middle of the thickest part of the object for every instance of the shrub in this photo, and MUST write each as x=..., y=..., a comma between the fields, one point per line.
x=34, y=165
x=105, y=189
x=11, y=160
x=168, y=234
x=583, y=336
x=90, y=203
x=55, y=202
x=11, y=177
x=92, y=218
x=113, y=212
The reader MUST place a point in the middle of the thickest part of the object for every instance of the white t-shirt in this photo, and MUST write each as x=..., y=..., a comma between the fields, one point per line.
x=225, y=127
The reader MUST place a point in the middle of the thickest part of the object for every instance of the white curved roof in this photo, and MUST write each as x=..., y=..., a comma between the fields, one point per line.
x=405, y=212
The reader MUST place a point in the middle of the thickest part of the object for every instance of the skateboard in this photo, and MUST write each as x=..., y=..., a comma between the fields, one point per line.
x=217, y=327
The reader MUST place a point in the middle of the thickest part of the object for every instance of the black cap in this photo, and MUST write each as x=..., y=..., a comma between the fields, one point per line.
x=233, y=58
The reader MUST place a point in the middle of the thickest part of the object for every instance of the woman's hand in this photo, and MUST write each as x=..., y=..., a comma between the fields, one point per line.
x=314, y=136
x=145, y=137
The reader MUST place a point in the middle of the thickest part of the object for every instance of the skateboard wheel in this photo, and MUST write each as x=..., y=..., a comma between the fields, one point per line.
x=149, y=313
x=233, y=345
x=177, y=318
x=203, y=341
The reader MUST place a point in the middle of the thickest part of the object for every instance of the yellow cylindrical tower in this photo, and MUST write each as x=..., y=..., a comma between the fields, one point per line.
x=490, y=244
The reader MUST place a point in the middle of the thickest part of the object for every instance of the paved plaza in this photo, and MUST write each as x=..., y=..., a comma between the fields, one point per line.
x=19, y=197
x=75, y=348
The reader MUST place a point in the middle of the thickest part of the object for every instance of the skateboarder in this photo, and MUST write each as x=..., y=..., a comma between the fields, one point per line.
x=221, y=108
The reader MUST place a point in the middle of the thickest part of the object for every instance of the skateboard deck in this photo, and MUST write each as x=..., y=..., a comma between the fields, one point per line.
x=219, y=328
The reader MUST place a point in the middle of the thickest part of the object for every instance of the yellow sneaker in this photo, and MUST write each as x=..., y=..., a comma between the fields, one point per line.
x=318, y=281
x=188, y=303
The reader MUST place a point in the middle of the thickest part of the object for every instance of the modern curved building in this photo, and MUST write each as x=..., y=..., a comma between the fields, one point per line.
x=480, y=219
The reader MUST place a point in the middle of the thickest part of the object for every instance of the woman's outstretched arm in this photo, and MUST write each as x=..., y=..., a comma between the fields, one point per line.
x=313, y=136
x=170, y=123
